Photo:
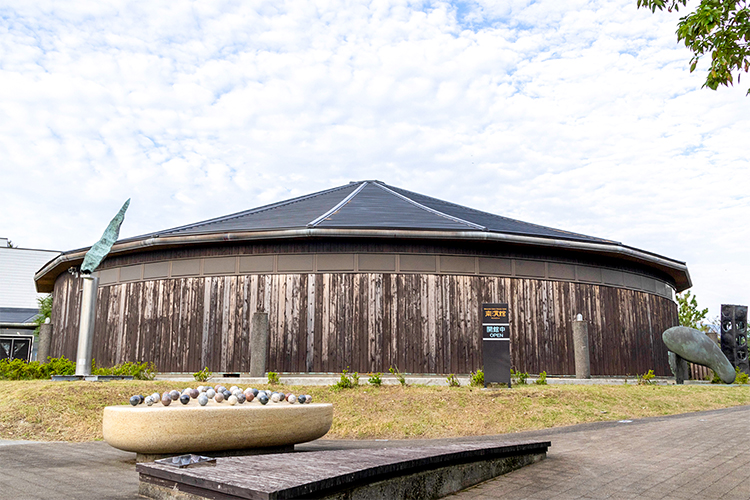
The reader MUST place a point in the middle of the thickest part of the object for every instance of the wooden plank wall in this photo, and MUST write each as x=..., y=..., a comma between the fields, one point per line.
x=364, y=322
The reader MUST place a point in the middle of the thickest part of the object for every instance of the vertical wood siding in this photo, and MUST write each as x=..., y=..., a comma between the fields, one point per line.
x=363, y=322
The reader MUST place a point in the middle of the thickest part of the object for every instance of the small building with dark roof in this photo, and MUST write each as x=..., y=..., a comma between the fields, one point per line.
x=367, y=276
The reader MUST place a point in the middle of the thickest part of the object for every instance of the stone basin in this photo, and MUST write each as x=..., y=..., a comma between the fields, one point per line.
x=174, y=429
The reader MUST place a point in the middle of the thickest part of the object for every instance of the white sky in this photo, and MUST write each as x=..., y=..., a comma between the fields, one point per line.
x=574, y=114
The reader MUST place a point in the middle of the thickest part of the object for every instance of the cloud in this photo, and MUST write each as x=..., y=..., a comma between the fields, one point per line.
x=575, y=114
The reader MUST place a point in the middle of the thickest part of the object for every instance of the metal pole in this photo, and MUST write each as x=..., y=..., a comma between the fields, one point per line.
x=86, y=328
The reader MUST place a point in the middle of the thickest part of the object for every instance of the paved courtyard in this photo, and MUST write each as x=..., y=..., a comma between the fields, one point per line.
x=699, y=455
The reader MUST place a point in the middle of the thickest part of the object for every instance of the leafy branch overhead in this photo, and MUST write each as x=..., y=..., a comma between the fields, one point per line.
x=720, y=28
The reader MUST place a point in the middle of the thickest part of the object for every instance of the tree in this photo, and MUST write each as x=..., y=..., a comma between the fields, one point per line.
x=45, y=311
x=689, y=313
x=717, y=27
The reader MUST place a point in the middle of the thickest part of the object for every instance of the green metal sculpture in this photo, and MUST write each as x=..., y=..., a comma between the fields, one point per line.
x=101, y=248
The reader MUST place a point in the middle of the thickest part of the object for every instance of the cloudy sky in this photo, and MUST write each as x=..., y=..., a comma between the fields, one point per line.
x=576, y=114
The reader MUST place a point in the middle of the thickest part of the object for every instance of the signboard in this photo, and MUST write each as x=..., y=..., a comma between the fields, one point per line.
x=496, y=344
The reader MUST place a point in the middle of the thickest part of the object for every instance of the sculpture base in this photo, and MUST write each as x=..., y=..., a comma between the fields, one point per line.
x=216, y=427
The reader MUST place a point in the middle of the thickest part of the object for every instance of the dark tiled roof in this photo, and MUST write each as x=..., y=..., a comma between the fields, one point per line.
x=17, y=314
x=369, y=205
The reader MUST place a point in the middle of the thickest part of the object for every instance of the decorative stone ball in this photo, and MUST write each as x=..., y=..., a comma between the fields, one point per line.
x=184, y=399
x=194, y=393
x=234, y=389
x=232, y=400
x=187, y=390
x=249, y=396
x=143, y=400
x=263, y=398
x=166, y=399
x=227, y=394
x=291, y=398
x=203, y=399
x=201, y=388
x=219, y=397
x=210, y=393
x=240, y=397
x=255, y=392
x=175, y=395
x=149, y=401
x=156, y=397
x=275, y=397
x=308, y=398
x=135, y=400
x=221, y=388
x=301, y=399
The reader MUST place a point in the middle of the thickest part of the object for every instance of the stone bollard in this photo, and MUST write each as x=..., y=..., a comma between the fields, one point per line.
x=45, y=337
x=581, y=347
x=258, y=344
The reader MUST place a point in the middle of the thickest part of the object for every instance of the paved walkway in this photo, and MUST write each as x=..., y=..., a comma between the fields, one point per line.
x=699, y=455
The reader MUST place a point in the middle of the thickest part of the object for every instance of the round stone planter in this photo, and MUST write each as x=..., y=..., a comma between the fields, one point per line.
x=193, y=428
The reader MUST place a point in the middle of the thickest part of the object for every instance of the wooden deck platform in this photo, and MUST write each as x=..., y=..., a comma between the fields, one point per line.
x=403, y=472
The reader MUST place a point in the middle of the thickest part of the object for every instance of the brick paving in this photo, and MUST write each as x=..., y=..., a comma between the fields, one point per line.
x=699, y=455
x=702, y=455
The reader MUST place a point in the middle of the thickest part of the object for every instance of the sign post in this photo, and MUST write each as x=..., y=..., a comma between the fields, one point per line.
x=496, y=344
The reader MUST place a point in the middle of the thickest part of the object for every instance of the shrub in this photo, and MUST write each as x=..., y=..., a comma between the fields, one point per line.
x=453, y=381
x=202, y=375
x=18, y=369
x=347, y=380
x=375, y=379
x=396, y=373
x=273, y=378
x=542, y=380
x=139, y=371
x=647, y=378
x=518, y=378
x=477, y=379
x=741, y=377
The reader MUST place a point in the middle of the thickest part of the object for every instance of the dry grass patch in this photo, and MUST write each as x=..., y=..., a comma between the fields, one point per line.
x=72, y=411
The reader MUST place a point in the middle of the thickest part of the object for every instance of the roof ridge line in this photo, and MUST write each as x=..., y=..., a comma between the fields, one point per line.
x=431, y=210
x=338, y=206
x=512, y=219
x=246, y=212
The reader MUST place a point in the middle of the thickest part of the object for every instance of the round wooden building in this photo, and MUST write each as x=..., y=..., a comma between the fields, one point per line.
x=366, y=276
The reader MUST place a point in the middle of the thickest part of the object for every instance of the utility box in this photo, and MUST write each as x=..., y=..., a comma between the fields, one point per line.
x=496, y=344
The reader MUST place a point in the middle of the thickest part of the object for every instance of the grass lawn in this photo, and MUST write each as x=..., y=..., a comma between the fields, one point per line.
x=72, y=411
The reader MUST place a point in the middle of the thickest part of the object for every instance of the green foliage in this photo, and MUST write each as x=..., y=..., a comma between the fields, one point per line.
x=18, y=369
x=476, y=379
x=396, y=373
x=518, y=378
x=647, y=378
x=202, y=375
x=273, y=378
x=375, y=379
x=45, y=311
x=741, y=377
x=453, y=381
x=542, y=380
x=139, y=371
x=715, y=378
x=717, y=27
x=689, y=313
x=347, y=380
